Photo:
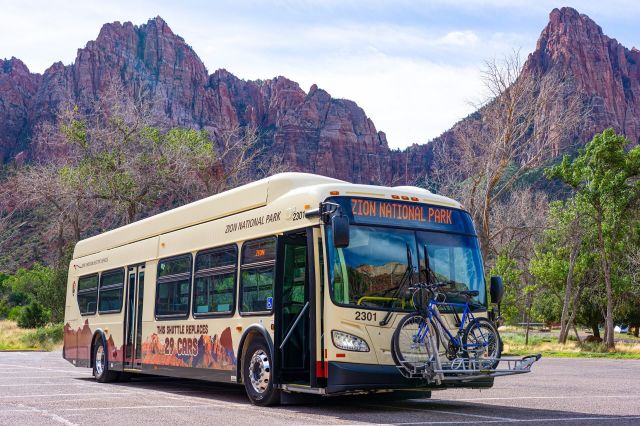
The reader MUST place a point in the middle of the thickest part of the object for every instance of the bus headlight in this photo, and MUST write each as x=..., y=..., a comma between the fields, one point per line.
x=348, y=342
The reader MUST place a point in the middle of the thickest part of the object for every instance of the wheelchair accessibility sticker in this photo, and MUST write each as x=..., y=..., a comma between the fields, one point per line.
x=269, y=303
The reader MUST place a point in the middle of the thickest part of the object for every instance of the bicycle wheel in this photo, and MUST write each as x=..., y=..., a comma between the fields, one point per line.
x=410, y=345
x=481, y=339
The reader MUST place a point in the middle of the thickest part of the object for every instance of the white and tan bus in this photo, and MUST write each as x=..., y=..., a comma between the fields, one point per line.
x=288, y=284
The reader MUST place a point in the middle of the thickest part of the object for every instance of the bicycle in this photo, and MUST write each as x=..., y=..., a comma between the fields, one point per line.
x=417, y=340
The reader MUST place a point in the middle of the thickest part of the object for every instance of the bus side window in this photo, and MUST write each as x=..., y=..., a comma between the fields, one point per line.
x=257, y=275
x=215, y=279
x=111, y=291
x=173, y=287
x=88, y=294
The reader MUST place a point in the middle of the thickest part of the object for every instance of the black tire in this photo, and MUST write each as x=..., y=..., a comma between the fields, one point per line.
x=413, y=356
x=101, y=370
x=257, y=374
x=481, y=330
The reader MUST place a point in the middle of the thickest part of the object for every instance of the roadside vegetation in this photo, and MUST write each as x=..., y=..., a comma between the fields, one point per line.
x=44, y=338
x=516, y=343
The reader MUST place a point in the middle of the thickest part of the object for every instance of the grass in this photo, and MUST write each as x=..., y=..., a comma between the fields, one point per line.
x=514, y=344
x=14, y=338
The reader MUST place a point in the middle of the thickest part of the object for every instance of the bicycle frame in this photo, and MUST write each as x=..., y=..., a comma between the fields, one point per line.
x=432, y=312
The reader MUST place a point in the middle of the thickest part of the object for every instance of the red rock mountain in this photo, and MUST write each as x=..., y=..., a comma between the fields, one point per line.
x=605, y=72
x=311, y=131
x=606, y=76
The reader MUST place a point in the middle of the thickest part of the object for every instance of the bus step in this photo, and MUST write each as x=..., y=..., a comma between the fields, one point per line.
x=293, y=387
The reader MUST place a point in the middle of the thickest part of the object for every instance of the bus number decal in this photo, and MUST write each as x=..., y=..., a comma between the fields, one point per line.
x=366, y=316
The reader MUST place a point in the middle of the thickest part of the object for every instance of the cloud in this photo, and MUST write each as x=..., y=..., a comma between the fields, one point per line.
x=460, y=38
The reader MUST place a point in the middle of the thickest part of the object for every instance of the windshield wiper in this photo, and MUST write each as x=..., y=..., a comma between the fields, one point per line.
x=406, y=277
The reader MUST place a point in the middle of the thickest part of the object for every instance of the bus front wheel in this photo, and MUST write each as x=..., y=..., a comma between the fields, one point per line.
x=257, y=374
x=101, y=370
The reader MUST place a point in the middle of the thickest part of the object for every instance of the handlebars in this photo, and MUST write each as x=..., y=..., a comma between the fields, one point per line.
x=433, y=289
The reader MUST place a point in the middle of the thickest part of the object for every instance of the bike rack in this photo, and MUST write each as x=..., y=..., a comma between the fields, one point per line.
x=466, y=369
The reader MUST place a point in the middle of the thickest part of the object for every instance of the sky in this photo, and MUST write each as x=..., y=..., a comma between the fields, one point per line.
x=413, y=66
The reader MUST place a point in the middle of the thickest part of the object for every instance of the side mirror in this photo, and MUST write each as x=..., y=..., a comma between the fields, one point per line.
x=497, y=290
x=340, y=231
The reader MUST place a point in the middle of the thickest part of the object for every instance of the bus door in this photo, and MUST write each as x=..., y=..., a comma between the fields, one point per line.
x=133, y=322
x=294, y=325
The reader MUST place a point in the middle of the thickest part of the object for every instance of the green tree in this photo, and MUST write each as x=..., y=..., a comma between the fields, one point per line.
x=513, y=303
x=562, y=262
x=603, y=177
x=33, y=316
x=41, y=284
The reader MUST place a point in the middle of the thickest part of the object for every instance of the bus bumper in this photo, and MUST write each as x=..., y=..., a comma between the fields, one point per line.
x=351, y=377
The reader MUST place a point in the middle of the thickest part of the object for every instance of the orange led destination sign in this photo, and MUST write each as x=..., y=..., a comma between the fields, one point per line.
x=406, y=214
x=388, y=210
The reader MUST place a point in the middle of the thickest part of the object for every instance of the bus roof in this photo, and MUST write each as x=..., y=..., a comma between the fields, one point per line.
x=243, y=198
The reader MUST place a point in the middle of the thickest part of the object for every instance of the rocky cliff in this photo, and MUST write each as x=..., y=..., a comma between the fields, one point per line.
x=606, y=76
x=310, y=131
x=606, y=73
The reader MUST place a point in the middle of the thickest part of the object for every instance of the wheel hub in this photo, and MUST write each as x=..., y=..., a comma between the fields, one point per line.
x=100, y=360
x=259, y=371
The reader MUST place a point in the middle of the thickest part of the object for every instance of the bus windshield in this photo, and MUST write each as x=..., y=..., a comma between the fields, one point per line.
x=368, y=273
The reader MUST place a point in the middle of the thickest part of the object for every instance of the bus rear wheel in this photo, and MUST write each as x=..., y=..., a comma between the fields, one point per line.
x=257, y=374
x=101, y=370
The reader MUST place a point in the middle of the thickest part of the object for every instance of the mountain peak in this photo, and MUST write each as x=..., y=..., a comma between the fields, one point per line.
x=566, y=13
x=568, y=39
x=601, y=69
x=570, y=22
x=13, y=65
x=160, y=25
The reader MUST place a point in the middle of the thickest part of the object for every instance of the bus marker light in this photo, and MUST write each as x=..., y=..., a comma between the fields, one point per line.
x=239, y=328
x=322, y=369
x=395, y=197
x=334, y=192
x=341, y=355
x=415, y=199
x=307, y=206
x=404, y=197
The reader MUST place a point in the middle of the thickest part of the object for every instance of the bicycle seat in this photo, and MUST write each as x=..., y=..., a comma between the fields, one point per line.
x=470, y=293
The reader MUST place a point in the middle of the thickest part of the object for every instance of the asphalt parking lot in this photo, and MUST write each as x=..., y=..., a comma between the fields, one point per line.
x=43, y=389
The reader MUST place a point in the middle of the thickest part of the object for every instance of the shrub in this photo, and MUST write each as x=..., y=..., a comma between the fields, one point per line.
x=32, y=316
x=4, y=309
x=597, y=347
x=14, y=313
x=44, y=337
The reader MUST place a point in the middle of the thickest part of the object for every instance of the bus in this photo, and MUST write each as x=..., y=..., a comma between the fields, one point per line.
x=288, y=285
